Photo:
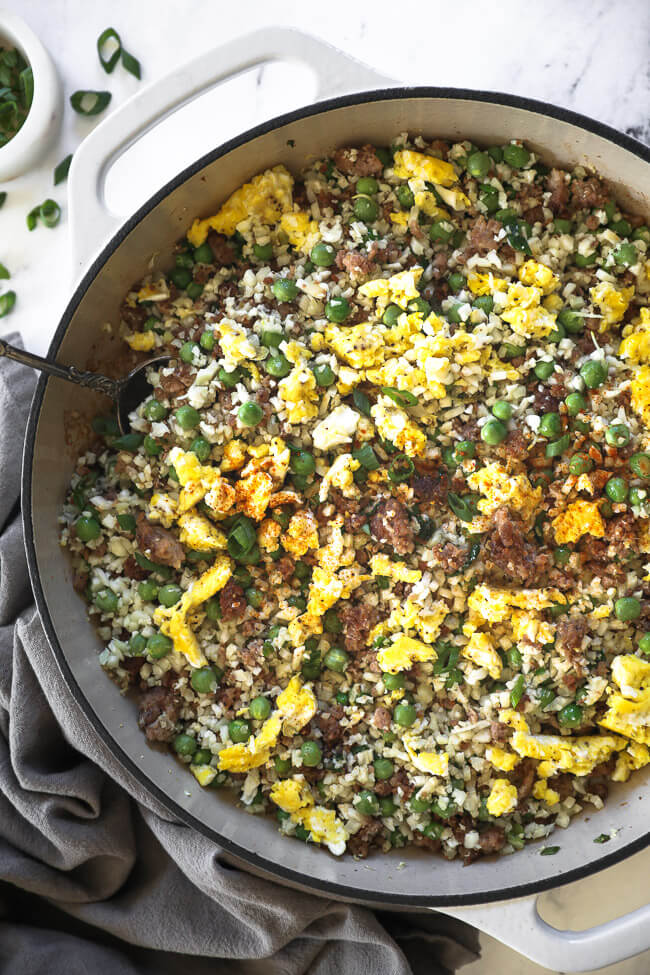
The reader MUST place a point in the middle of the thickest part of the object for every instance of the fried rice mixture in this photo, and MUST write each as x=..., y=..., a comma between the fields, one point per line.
x=374, y=554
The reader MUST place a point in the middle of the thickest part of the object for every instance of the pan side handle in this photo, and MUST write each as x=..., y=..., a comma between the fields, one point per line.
x=91, y=222
x=518, y=925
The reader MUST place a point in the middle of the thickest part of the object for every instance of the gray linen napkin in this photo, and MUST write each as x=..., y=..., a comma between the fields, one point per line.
x=96, y=876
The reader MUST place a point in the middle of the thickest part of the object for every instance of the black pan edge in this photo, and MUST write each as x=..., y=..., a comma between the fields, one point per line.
x=359, y=894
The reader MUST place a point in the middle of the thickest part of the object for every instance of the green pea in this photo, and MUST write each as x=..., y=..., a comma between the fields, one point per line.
x=387, y=806
x=106, y=600
x=575, y=403
x=147, y=590
x=572, y=321
x=464, y=449
x=151, y=447
x=202, y=757
x=204, y=680
x=213, y=609
x=229, y=379
x=606, y=509
x=254, y=597
x=250, y=414
x=367, y=803
x=159, y=645
x=336, y=659
x=550, y=425
x=194, y=290
x=637, y=496
x=441, y=230
x=331, y=622
x=391, y=315
x=479, y=164
x=616, y=489
x=277, y=366
x=337, y=309
x=580, y=464
x=627, y=608
x=365, y=209
x=502, y=410
x=272, y=337
x=384, y=768
x=154, y=411
x=203, y=254
x=393, y=682
x=570, y=716
x=419, y=306
x=302, y=572
x=201, y=448
x=282, y=765
x=515, y=156
x=184, y=745
x=239, y=730
x=367, y=185
x=493, y=432
x=169, y=594
x=181, y=277
x=640, y=465
x=260, y=708
x=322, y=254
x=456, y=281
x=405, y=196
x=544, y=369
x=263, y=252
x=87, y=529
x=324, y=375
x=298, y=601
x=617, y=435
x=187, y=417
x=137, y=644
x=562, y=554
x=625, y=254
x=284, y=289
x=561, y=226
x=419, y=805
x=644, y=644
x=404, y=715
x=484, y=303
x=302, y=462
x=585, y=260
x=311, y=753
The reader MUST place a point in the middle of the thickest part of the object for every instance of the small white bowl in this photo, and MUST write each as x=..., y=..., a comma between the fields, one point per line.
x=44, y=117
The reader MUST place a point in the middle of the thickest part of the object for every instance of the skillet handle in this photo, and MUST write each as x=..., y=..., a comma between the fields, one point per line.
x=91, y=222
x=518, y=925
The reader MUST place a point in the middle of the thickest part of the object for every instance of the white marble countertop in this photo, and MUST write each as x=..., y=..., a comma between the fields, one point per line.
x=591, y=57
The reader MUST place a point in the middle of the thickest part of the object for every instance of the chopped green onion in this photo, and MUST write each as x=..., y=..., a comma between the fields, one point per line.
x=366, y=457
x=361, y=402
x=89, y=103
x=603, y=838
x=50, y=213
x=7, y=302
x=3, y=197
x=517, y=691
x=401, y=469
x=61, y=171
x=4, y=273
x=549, y=851
x=242, y=537
x=463, y=508
x=400, y=396
x=131, y=64
x=108, y=63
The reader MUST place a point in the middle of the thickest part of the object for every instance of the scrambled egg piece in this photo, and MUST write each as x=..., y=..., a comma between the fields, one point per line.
x=612, y=302
x=527, y=626
x=198, y=533
x=504, y=761
x=267, y=196
x=299, y=392
x=204, y=774
x=454, y=198
x=301, y=230
x=411, y=616
x=557, y=753
x=173, y=622
x=398, y=289
x=296, y=706
x=295, y=798
x=580, y=518
x=234, y=455
x=634, y=757
x=543, y=792
x=485, y=284
x=640, y=390
x=403, y=653
x=501, y=488
x=141, y=341
x=431, y=763
x=236, y=345
x=381, y=565
x=427, y=203
x=162, y=508
x=341, y=476
x=253, y=493
x=636, y=345
x=395, y=425
x=534, y=323
x=337, y=428
x=301, y=533
x=539, y=275
x=495, y=605
x=358, y=346
x=480, y=650
x=502, y=799
x=272, y=459
x=629, y=712
x=416, y=165
x=198, y=482
x=268, y=535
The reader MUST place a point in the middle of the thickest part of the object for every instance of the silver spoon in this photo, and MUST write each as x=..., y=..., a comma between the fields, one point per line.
x=127, y=393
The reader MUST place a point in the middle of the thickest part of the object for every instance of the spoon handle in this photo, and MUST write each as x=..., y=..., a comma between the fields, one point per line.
x=70, y=373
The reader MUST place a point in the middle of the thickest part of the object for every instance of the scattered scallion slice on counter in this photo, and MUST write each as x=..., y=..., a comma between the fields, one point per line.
x=131, y=64
x=549, y=851
x=4, y=273
x=49, y=212
x=61, y=171
x=603, y=838
x=7, y=302
x=109, y=60
x=3, y=197
x=89, y=103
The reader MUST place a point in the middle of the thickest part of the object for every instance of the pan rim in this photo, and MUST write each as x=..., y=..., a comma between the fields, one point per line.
x=257, y=861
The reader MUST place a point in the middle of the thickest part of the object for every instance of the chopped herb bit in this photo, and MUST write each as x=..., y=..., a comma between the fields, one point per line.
x=90, y=102
x=7, y=302
x=603, y=838
x=549, y=851
x=49, y=212
x=4, y=273
x=61, y=171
